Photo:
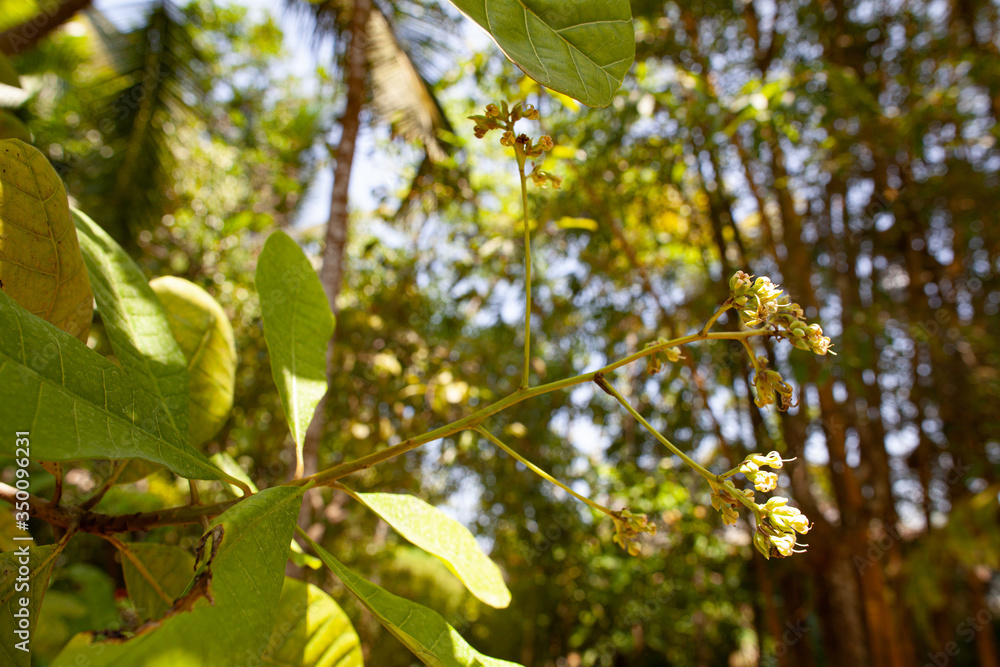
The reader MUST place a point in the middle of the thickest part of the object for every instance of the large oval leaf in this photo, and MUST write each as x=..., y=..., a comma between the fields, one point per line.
x=311, y=630
x=40, y=263
x=79, y=405
x=205, y=336
x=421, y=630
x=582, y=48
x=298, y=325
x=135, y=321
x=436, y=533
x=244, y=578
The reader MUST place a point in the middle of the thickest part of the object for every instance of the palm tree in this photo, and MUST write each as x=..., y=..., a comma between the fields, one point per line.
x=380, y=73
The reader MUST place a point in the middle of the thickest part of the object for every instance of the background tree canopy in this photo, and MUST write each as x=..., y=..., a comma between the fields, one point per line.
x=848, y=150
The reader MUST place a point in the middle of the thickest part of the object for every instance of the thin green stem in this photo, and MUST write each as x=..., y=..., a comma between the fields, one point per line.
x=527, y=270
x=730, y=473
x=746, y=502
x=325, y=477
x=606, y=386
x=102, y=524
x=714, y=318
x=753, y=355
x=541, y=473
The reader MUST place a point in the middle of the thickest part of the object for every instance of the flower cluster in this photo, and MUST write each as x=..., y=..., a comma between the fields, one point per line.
x=778, y=527
x=544, y=179
x=768, y=383
x=503, y=118
x=759, y=301
x=755, y=300
x=655, y=361
x=628, y=527
x=808, y=337
x=763, y=480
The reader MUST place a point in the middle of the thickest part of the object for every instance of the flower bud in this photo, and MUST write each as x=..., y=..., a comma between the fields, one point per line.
x=762, y=544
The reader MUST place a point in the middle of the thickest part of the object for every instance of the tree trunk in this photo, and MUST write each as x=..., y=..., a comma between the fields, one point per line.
x=331, y=275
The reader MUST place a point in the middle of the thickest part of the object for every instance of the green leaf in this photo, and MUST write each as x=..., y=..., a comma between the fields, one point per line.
x=22, y=581
x=40, y=263
x=79, y=405
x=11, y=127
x=8, y=74
x=229, y=465
x=155, y=575
x=430, y=529
x=205, y=336
x=135, y=321
x=246, y=577
x=311, y=630
x=80, y=596
x=582, y=48
x=136, y=469
x=298, y=325
x=422, y=630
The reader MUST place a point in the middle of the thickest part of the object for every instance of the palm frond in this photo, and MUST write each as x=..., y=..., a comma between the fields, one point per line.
x=401, y=96
x=399, y=91
x=154, y=88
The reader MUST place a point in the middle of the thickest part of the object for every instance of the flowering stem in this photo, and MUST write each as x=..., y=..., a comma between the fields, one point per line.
x=712, y=320
x=736, y=493
x=527, y=267
x=606, y=386
x=541, y=473
x=325, y=477
x=730, y=473
x=753, y=356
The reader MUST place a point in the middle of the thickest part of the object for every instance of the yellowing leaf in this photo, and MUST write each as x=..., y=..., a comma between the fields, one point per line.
x=561, y=152
x=40, y=263
x=315, y=630
x=205, y=336
x=577, y=223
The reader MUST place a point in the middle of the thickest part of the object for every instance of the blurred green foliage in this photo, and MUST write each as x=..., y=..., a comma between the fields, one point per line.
x=847, y=150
